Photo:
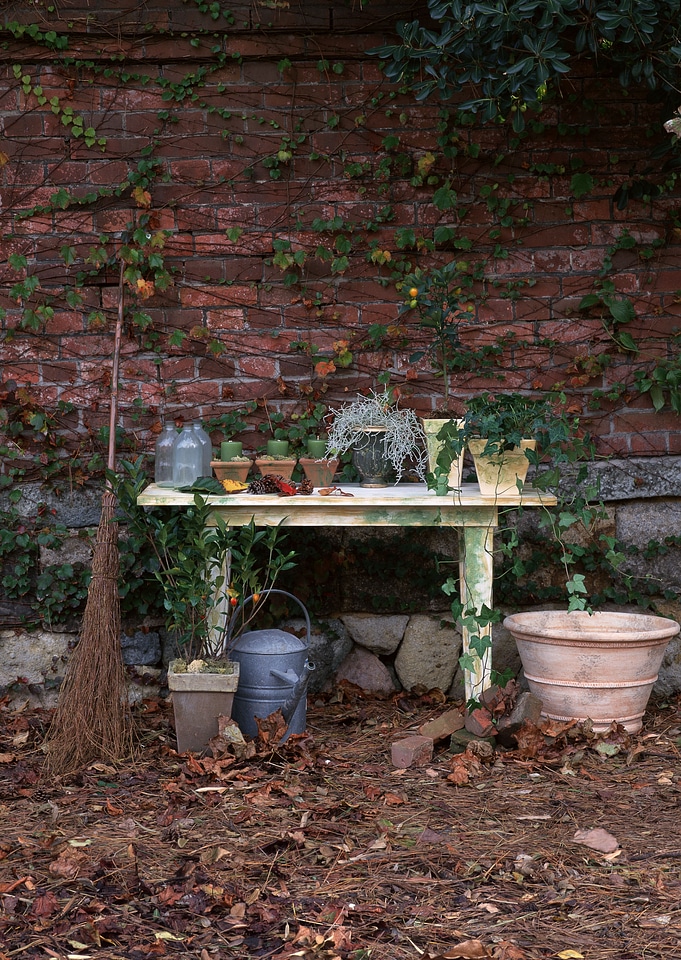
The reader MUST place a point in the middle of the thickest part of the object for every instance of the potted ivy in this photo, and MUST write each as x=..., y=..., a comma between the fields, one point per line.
x=505, y=432
x=382, y=437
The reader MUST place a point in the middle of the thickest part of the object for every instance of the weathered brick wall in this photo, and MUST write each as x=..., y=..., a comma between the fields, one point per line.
x=245, y=140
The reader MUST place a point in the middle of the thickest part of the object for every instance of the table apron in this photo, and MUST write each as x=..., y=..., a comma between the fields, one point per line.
x=347, y=516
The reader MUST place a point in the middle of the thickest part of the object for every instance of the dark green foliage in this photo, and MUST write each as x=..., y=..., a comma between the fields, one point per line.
x=511, y=54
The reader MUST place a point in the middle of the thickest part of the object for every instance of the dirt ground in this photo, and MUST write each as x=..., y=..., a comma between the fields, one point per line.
x=321, y=849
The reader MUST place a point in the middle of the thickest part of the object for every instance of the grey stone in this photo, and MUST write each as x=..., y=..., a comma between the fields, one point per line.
x=79, y=507
x=632, y=479
x=669, y=677
x=640, y=522
x=72, y=550
x=429, y=653
x=380, y=634
x=32, y=656
x=366, y=671
x=141, y=647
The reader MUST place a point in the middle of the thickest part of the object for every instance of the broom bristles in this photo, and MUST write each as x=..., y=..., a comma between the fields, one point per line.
x=92, y=719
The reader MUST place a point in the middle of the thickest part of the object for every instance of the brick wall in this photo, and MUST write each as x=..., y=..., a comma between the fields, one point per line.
x=265, y=122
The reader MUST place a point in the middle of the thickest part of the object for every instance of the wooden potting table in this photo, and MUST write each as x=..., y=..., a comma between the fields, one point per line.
x=406, y=505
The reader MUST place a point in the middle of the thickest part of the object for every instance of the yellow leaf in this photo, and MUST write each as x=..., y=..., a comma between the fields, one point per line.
x=570, y=955
x=166, y=935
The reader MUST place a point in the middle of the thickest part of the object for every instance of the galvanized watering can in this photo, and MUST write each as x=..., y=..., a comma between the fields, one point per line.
x=273, y=675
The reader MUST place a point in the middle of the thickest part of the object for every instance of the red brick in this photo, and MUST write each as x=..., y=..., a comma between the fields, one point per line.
x=258, y=367
x=412, y=752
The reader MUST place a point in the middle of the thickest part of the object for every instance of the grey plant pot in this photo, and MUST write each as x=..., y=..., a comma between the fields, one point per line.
x=198, y=700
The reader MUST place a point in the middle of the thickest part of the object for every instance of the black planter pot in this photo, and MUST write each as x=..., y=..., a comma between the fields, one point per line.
x=370, y=461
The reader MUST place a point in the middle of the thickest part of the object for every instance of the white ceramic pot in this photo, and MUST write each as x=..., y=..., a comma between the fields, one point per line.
x=501, y=472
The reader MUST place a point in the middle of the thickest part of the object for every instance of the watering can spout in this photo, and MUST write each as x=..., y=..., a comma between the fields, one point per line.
x=298, y=691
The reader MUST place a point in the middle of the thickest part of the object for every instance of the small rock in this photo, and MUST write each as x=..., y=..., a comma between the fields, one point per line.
x=412, y=752
x=366, y=671
x=528, y=707
x=442, y=726
x=479, y=723
x=461, y=738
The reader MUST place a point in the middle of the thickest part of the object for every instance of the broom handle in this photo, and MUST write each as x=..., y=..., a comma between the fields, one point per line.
x=114, y=375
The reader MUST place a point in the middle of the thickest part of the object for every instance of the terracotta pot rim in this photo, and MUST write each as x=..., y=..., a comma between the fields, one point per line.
x=599, y=628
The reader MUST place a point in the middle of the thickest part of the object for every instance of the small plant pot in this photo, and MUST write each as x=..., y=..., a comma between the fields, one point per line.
x=320, y=473
x=599, y=666
x=229, y=449
x=231, y=469
x=284, y=468
x=198, y=700
x=501, y=473
x=277, y=448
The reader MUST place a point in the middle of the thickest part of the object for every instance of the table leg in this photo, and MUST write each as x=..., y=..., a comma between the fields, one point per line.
x=475, y=572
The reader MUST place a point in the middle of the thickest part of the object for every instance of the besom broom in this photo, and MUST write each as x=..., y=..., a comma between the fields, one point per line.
x=92, y=720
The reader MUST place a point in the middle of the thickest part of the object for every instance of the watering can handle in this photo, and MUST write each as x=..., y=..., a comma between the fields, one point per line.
x=262, y=596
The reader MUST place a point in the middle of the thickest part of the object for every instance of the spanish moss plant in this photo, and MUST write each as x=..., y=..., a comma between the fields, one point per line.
x=404, y=439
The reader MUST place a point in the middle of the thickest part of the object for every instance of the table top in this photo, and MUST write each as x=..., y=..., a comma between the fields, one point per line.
x=404, y=504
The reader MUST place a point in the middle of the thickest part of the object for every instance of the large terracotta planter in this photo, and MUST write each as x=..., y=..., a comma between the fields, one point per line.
x=500, y=473
x=599, y=666
x=431, y=428
x=198, y=700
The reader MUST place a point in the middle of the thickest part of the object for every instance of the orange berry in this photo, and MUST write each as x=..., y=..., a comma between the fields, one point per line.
x=413, y=292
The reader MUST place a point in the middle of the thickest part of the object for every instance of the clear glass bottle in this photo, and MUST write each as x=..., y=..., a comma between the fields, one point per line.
x=163, y=456
x=187, y=458
x=206, y=447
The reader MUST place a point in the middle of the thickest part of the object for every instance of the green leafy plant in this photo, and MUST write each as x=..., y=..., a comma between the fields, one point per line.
x=203, y=566
x=511, y=55
x=442, y=299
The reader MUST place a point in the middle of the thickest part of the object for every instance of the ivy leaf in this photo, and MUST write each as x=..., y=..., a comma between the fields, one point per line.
x=581, y=184
x=622, y=311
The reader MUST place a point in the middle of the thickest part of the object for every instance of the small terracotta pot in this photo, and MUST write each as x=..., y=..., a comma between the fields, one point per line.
x=284, y=468
x=320, y=473
x=231, y=469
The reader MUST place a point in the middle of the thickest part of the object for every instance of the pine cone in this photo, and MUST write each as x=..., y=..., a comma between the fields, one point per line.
x=269, y=483
x=305, y=486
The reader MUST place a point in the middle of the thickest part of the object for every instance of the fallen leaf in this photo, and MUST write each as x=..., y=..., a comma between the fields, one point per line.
x=7, y=757
x=468, y=950
x=166, y=935
x=45, y=905
x=596, y=839
x=570, y=955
